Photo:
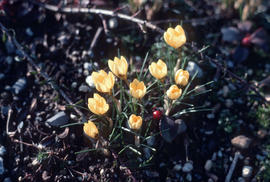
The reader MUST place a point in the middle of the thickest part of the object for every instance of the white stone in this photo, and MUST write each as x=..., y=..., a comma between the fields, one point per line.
x=208, y=165
x=187, y=167
x=247, y=171
x=89, y=81
x=177, y=167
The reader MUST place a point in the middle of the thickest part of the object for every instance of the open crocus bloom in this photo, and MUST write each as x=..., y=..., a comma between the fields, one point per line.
x=137, y=89
x=135, y=122
x=174, y=92
x=98, y=105
x=181, y=77
x=103, y=82
x=158, y=69
x=175, y=37
x=90, y=129
x=119, y=67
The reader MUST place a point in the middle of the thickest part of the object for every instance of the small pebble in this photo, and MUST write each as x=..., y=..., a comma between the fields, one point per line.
x=241, y=142
x=187, y=167
x=189, y=177
x=177, y=167
x=84, y=88
x=208, y=165
x=89, y=81
x=247, y=171
x=2, y=169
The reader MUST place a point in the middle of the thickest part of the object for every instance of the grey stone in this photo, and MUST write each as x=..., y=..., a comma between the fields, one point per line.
x=187, y=167
x=7, y=180
x=247, y=171
x=2, y=169
x=2, y=150
x=29, y=32
x=208, y=165
x=9, y=60
x=2, y=75
x=189, y=177
x=241, y=142
x=182, y=127
x=177, y=167
x=228, y=103
x=19, y=85
x=84, y=88
x=58, y=119
x=88, y=66
x=192, y=68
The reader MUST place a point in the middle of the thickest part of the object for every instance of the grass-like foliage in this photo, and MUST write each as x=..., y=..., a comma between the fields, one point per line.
x=132, y=104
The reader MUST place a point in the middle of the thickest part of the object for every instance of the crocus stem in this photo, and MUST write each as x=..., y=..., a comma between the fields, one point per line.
x=137, y=140
x=169, y=107
x=110, y=121
x=126, y=81
x=118, y=104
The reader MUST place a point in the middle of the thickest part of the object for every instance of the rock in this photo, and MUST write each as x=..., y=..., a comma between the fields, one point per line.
x=189, y=177
x=2, y=150
x=177, y=167
x=19, y=86
x=247, y=171
x=88, y=66
x=262, y=133
x=228, y=103
x=7, y=180
x=240, y=179
x=208, y=165
x=4, y=110
x=2, y=169
x=182, y=127
x=2, y=76
x=74, y=84
x=84, y=88
x=192, y=68
x=225, y=90
x=89, y=81
x=241, y=142
x=187, y=167
x=29, y=32
x=113, y=23
x=58, y=119
x=210, y=116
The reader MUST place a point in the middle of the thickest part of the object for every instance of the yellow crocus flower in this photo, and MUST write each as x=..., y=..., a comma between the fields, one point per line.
x=103, y=82
x=174, y=92
x=175, y=37
x=98, y=105
x=137, y=89
x=181, y=77
x=119, y=67
x=90, y=129
x=158, y=69
x=135, y=122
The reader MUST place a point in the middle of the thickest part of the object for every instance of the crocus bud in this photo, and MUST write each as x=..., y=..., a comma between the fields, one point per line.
x=158, y=69
x=175, y=37
x=135, y=122
x=98, y=105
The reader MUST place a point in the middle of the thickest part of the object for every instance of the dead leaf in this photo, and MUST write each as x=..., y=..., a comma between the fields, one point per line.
x=64, y=134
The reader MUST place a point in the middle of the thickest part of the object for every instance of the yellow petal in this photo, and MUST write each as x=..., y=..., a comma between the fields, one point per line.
x=90, y=129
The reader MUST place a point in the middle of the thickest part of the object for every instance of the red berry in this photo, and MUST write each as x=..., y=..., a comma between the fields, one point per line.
x=246, y=40
x=157, y=115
